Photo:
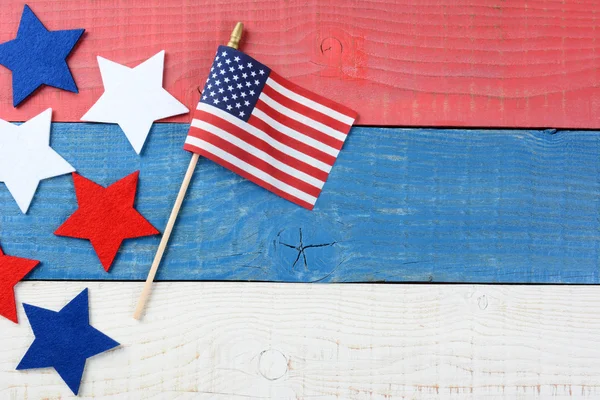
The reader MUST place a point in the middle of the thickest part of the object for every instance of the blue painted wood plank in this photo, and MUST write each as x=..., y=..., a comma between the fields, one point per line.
x=400, y=205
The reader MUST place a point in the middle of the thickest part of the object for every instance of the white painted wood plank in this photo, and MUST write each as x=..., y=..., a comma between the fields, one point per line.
x=297, y=341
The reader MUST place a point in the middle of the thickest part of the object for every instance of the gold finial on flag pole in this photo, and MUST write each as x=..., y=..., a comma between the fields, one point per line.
x=236, y=35
x=234, y=41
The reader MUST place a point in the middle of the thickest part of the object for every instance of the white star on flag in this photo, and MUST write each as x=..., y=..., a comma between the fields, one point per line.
x=26, y=157
x=134, y=98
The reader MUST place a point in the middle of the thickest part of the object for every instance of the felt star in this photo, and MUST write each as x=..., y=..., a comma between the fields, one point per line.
x=64, y=340
x=26, y=157
x=106, y=216
x=37, y=57
x=12, y=270
x=134, y=98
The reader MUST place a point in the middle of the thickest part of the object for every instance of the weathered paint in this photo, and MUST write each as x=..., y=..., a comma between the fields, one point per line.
x=475, y=63
x=400, y=205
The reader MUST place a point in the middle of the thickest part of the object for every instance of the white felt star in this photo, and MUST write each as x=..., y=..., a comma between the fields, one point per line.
x=26, y=157
x=134, y=98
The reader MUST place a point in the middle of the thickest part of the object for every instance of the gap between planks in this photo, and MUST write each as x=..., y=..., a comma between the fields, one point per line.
x=294, y=341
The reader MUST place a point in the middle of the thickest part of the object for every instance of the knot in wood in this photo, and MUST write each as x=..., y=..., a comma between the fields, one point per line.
x=272, y=364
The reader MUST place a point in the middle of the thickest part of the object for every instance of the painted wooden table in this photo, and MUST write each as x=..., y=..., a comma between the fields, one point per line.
x=509, y=194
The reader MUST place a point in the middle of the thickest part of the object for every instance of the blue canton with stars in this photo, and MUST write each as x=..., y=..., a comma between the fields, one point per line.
x=234, y=83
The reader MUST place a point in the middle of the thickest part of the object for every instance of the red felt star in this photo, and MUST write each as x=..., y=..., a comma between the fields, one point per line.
x=106, y=216
x=12, y=270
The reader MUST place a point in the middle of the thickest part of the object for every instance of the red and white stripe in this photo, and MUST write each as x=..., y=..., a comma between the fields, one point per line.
x=288, y=145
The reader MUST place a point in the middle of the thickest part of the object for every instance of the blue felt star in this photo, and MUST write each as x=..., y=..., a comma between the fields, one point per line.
x=37, y=57
x=64, y=340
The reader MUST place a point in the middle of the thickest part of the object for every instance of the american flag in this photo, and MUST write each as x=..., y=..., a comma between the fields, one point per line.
x=267, y=129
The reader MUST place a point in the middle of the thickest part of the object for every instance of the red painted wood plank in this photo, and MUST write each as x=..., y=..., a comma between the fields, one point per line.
x=404, y=62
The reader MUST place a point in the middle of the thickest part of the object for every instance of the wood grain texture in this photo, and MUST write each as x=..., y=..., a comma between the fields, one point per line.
x=408, y=62
x=297, y=341
x=399, y=205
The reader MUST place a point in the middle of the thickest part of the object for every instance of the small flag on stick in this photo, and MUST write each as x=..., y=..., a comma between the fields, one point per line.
x=267, y=129
x=263, y=127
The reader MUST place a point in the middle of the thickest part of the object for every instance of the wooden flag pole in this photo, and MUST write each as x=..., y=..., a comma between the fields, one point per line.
x=234, y=41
